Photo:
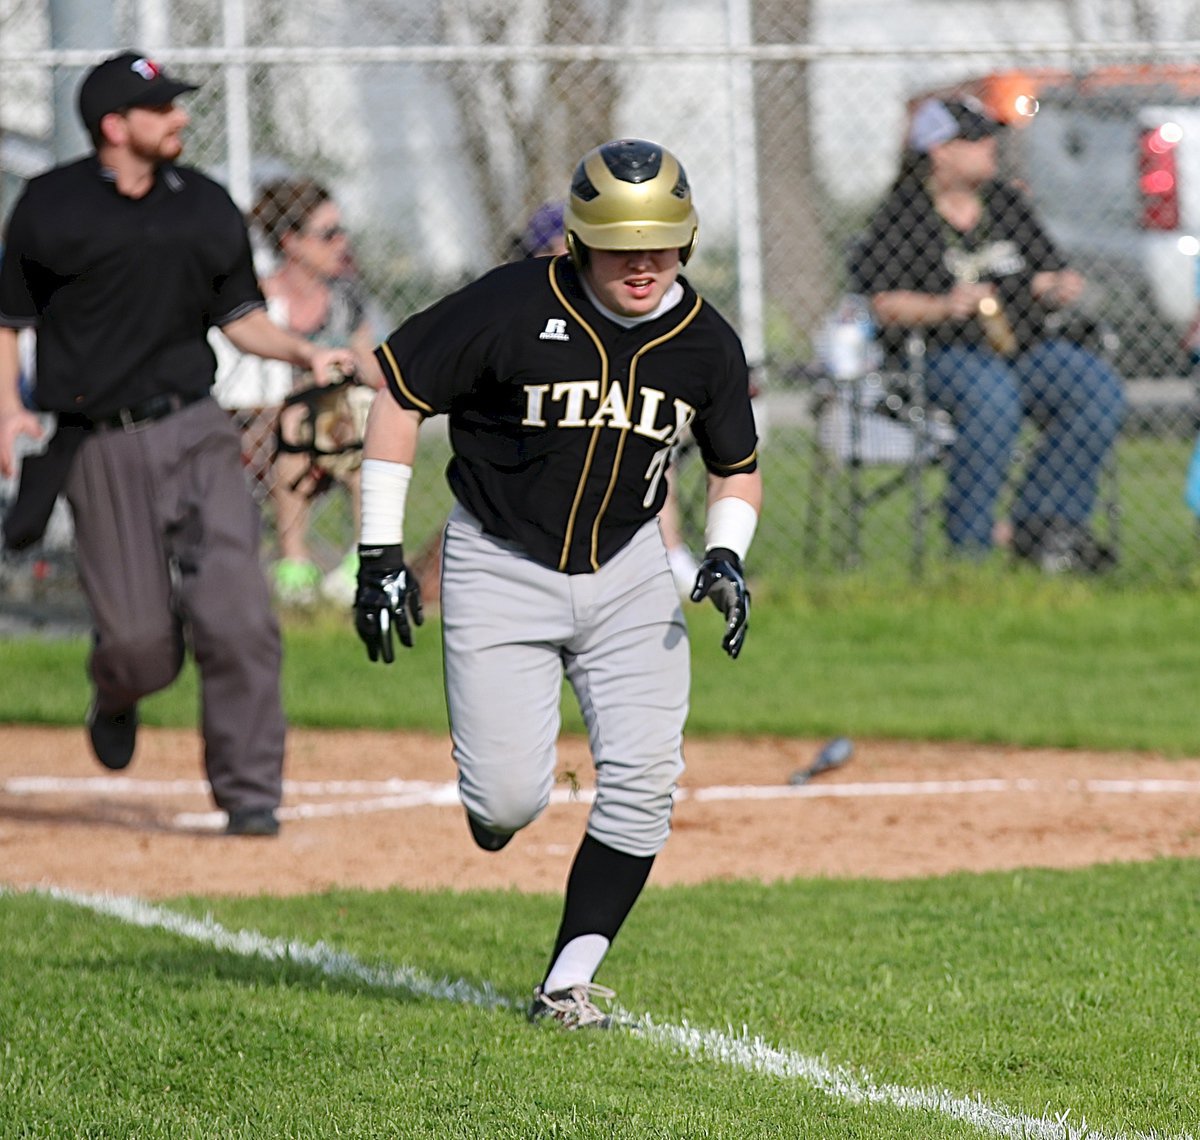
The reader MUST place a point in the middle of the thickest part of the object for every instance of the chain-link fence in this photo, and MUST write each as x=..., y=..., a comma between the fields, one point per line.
x=440, y=127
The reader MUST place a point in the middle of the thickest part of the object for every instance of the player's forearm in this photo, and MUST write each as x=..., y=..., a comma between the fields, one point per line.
x=734, y=503
x=258, y=335
x=748, y=487
x=389, y=450
x=392, y=431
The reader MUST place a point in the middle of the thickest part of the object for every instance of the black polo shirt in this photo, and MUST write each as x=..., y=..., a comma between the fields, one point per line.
x=562, y=421
x=122, y=290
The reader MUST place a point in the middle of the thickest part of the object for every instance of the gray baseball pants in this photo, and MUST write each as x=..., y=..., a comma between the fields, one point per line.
x=511, y=628
x=167, y=540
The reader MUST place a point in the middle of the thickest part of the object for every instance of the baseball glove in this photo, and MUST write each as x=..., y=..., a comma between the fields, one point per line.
x=326, y=423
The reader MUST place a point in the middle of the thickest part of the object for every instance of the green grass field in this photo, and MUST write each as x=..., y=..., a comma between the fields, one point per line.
x=1036, y=1004
x=987, y=656
x=1039, y=1004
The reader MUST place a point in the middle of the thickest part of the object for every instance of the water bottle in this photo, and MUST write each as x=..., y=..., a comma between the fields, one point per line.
x=1191, y=493
x=848, y=349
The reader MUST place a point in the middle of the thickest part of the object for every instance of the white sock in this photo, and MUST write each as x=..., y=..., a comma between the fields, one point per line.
x=577, y=962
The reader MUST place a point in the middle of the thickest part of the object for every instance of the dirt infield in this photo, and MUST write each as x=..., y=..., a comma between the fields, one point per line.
x=372, y=810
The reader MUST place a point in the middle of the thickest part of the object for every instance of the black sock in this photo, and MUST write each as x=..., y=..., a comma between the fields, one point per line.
x=601, y=890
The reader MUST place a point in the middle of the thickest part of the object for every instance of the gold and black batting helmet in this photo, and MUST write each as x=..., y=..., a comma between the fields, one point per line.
x=630, y=194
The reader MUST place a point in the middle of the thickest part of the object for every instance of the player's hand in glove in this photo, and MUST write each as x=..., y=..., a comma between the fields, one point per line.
x=721, y=578
x=387, y=596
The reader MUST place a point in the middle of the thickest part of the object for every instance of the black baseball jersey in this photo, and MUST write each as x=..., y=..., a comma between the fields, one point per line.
x=122, y=290
x=562, y=421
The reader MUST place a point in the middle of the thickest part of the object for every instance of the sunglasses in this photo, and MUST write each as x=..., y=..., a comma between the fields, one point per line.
x=329, y=233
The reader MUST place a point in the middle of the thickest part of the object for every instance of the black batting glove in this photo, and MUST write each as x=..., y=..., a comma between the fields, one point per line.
x=721, y=578
x=387, y=596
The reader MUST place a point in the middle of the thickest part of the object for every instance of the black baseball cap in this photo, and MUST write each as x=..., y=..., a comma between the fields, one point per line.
x=126, y=80
x=937, y=121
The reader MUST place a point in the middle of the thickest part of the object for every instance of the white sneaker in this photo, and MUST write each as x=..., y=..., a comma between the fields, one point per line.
x=573, y=1008
x=341, y=583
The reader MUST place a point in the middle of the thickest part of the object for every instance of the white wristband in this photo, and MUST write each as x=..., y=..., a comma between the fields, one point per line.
x=384, y=493
x=730, y=523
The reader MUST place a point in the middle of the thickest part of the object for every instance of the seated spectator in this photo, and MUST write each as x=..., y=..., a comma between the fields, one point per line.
x=961, y=257
x=315, y=293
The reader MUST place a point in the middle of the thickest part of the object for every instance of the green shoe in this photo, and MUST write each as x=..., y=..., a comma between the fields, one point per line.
x=296, y=581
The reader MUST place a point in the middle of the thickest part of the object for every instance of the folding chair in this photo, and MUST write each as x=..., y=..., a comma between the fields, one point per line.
x=880, y=419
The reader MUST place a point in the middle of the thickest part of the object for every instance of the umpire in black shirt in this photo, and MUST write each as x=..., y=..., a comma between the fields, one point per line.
x=121, y=261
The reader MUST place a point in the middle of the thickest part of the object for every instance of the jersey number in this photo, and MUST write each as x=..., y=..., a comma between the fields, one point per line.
x=655, y=472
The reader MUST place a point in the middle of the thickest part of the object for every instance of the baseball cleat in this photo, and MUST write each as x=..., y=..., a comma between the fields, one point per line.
x=573, y=1007
x=484, y=837
x=253, y=821
x=113, y=735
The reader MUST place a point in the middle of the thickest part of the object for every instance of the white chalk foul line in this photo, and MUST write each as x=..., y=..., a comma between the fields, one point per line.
x=445, y=795
x=938, y=788
x=401, y=795
x=742, y=1051
x=126, y=785
x=435, y=795
x=409, y=792
x=100, y=786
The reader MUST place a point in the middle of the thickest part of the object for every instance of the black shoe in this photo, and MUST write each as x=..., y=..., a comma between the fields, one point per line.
x=1058, y=547
x=113, y=735
x=253, y=821
x=1092, y=555
x=488, y=840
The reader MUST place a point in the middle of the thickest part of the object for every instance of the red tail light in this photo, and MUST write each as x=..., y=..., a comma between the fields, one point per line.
x=1158, y=177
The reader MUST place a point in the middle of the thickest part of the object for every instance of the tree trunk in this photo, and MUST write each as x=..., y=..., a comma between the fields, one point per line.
x=802, y=273
x=526, y=138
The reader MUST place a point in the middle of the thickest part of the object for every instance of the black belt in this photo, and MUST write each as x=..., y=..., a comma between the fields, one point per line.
x=137, y=416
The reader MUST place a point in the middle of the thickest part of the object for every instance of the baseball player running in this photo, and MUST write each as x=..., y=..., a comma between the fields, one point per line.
x=567, y=382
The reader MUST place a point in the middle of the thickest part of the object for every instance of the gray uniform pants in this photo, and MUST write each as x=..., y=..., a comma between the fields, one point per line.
x=511, y=627
x=167, y=538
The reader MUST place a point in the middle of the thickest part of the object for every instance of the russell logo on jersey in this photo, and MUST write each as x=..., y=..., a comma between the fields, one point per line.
x=556, y=329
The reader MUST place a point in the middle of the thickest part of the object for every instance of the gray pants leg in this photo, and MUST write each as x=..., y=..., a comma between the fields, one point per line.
x=167, y=536
x=511, y=627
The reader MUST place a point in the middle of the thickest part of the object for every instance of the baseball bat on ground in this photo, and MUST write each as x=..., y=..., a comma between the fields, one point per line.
x=836, y=753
